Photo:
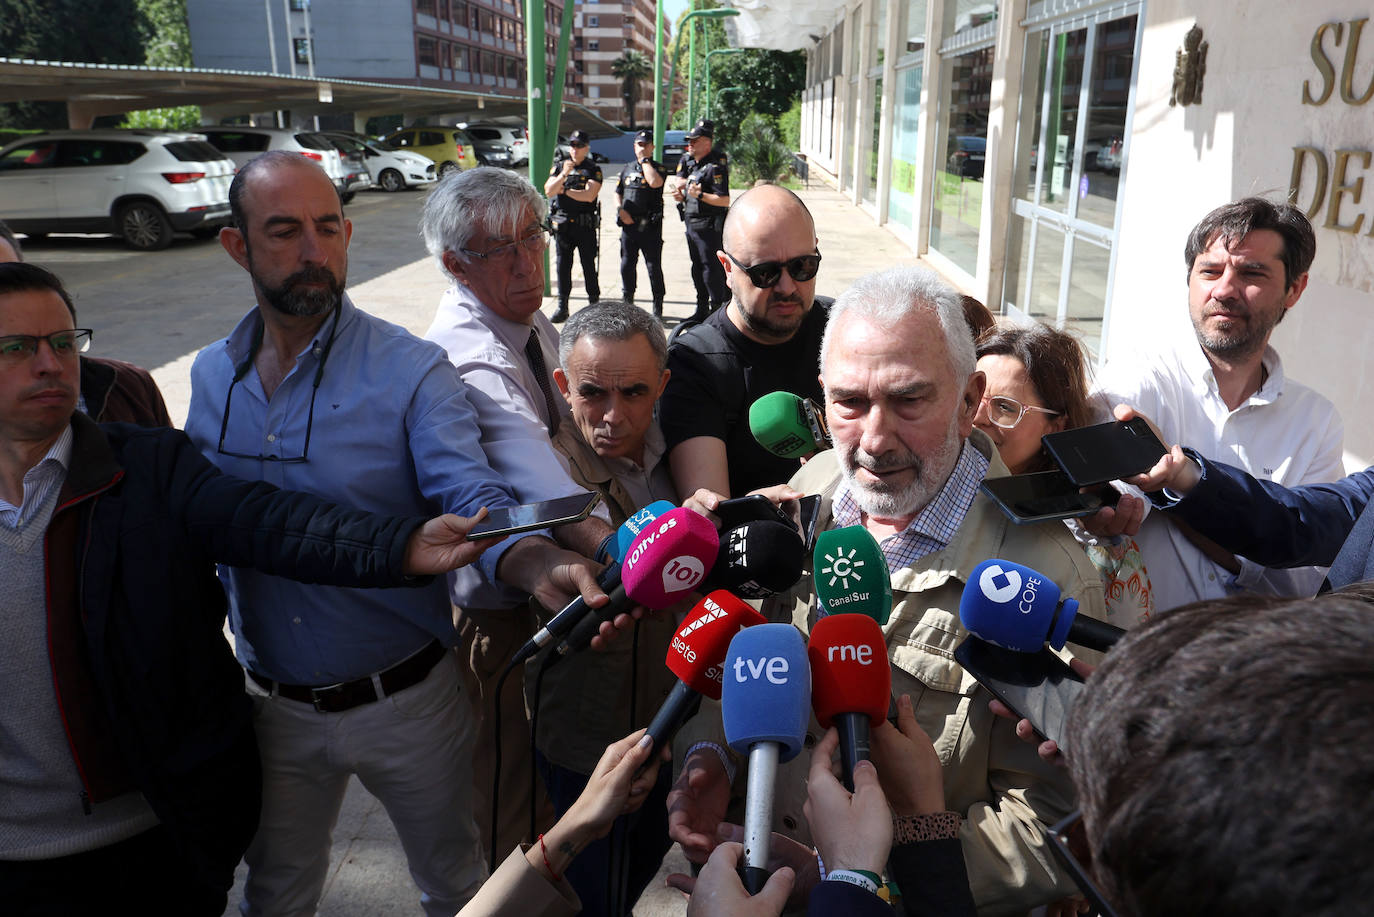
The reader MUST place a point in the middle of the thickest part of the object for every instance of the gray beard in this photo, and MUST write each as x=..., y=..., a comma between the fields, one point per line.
x=932, y=472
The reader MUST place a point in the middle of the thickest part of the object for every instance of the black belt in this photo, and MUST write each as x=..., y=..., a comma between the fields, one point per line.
x=349, y=694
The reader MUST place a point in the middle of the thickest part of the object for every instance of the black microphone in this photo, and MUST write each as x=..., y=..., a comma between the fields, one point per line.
x=758, y=559
x=561, y=624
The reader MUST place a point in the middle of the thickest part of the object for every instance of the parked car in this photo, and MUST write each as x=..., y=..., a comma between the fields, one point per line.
x=139, y=184
x=391, y=170
x=356, y=176
x=242, y=142
x=967, y=157
x=449, y=147
x=1109, y=155
x=674, y=145
x=514, y=138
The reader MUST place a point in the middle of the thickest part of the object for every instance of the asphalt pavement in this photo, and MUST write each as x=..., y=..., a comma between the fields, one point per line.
x=158, y=309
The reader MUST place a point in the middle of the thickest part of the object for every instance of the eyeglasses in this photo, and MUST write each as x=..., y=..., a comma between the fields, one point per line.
x=766, y=274
x=577, y=146
x=1007, y=412
x=533, y=244
x=1063, y=837
x=17, y=348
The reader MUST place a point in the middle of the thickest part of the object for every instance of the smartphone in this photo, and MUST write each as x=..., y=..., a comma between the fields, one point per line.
x=1039, y=687
x=808, y=517
x=1027, y=498
x=508, y=520
x=753, y=508
x=1105, y=451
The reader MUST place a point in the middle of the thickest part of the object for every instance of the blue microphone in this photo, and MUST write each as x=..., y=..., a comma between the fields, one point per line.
x=766, y=706
x=630, y=529
x=1019, y=609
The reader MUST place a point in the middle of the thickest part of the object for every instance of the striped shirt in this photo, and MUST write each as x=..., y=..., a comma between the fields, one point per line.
x=39, y=482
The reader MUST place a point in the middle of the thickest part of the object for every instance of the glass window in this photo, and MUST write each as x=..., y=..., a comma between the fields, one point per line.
x=1109, y=89
x=593, y=44
x=1066, y=81
x=906, y=120
x=1087, y=297
x=914, y=24
x=99, y=153
x=428, y=51
x=961, y=142
x=593, y=22
x=871, y=178
x=426, y=7
x=879, y=33
x=961, y=15
x=301, y=47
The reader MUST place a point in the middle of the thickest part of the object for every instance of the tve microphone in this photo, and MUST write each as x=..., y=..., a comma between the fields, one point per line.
x=851, y=683
x=758, y=559
x=850, y=573
x=697, y=657
x=765, y=707
x=788, y=426
x=664, y=563
x=1019, y=609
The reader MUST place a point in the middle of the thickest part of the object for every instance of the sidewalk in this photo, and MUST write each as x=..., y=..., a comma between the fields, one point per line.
x=368, y=873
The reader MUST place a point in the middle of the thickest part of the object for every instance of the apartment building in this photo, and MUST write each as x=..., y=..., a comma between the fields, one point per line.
x=602, y=32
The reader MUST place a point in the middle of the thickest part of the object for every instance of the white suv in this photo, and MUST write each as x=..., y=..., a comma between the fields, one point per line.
x=512, y=136
x=241, y=143
x=142, y=185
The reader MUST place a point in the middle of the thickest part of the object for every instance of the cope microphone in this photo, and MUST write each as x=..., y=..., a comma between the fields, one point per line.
x=788, y=426
x=1019, y=609
x=697, y=657
x=851, y=683
x=765, y=707
x=851, y=575
x=664, y=563
x=758, y=559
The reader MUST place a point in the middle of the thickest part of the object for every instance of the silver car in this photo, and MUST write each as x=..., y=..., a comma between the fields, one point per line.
x=391, y=170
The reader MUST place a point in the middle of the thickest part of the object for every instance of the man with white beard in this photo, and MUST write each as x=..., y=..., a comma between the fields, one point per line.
x=901, y=390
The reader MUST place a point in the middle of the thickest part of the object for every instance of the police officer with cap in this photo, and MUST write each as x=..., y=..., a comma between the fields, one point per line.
x=640, y=193
x=703, y=188
x=574, y=183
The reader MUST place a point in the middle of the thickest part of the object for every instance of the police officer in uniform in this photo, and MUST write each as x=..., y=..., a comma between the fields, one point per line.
x=640, y=193
x=574, y=183
x=703, y=189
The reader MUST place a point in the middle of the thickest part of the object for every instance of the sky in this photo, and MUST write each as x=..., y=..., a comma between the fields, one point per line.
x=673, y=8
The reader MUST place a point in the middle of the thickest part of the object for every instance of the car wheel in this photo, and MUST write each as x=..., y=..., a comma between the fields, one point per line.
x=144, y=226
x=205, y=232
x=347, y=196
x=391, y=180
x=447, y=167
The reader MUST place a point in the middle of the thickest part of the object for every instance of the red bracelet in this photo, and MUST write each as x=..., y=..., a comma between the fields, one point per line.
x=547, y=865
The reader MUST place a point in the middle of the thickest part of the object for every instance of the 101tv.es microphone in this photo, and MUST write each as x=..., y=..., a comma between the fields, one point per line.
x=850, y=574
x=1019, y=609
x=765, y=705
x=788, y=425
x=758, y=559
x=851, y=683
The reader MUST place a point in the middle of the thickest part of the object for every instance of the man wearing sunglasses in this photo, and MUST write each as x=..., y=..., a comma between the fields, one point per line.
x=573, y=184
x=702, y=190
x=767, y=339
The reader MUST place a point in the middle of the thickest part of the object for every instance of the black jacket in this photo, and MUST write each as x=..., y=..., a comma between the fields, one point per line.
x=141, y=521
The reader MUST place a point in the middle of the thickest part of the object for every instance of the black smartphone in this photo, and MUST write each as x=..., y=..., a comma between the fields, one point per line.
x=1105, y=451
x=1039, y=686
x=808, y=515
x=1027, y=498
x=508, y=520
x=753, y=508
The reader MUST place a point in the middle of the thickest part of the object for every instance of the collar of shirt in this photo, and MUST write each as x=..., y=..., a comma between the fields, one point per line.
x=39, y=482
x=1199, y=369
x=934, y=526
x=239, y=344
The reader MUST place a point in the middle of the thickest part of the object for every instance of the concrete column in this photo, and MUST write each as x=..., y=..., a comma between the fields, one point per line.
x=932, y=85
x=862, y=113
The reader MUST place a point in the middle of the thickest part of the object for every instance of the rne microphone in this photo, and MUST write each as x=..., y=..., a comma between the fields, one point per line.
x=1019, y=609
x=788, y=426
x=697, y=657
x=765, y=706
x=758, y=559
x=850, y=574
x=851, y=683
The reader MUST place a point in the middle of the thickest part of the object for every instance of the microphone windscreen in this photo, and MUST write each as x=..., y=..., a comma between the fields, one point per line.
x=766, y=692
x=1015, y=607
x=851, y=575
x=759, y=559
x=779, y=424
x=850, y=672
x=669, y=558
x=697, y=654
x=629, y=529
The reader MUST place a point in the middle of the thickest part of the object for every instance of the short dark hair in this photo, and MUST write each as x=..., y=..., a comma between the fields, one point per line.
x=613, y=321
x=268, y=160
x=1236, y=220
x=8, y=235
x=22, y=277
x=1221, y=755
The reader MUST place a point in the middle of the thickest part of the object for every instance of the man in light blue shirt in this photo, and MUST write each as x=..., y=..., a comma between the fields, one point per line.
x=311, y=393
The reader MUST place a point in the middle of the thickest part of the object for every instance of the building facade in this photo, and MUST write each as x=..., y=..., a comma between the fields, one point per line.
x=602, y=32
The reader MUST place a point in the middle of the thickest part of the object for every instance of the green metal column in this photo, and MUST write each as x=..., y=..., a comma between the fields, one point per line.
x=535, y=81
x=691, y=62
x=709, y=55
x=660, y=105
x=661, y=111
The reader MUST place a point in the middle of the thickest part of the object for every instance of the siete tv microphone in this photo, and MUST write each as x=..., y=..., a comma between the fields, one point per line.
x=1019, y=609
x=788, y=425
x=697, y=657
x=664, y=564
x=851, y=683
x=765, y=705
x=850, y=574
x=758, y=559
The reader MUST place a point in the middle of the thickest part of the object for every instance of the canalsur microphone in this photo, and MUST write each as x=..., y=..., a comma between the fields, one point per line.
x=697, y=657
x=664, y=564
x=765, y=704
x=758, y=559
x=850, y=574
x=851, y=683
x=1019, y=609
x=788, y=426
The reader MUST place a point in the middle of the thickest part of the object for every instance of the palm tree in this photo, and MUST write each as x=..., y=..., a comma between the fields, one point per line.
x=630, y=68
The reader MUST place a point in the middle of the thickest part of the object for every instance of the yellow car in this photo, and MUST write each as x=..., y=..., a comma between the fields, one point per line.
x=449, y=147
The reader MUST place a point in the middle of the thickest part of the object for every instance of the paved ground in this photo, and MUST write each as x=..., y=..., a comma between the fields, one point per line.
x=159, y=309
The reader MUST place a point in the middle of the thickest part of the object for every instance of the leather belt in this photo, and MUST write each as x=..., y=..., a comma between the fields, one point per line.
x=349, y=694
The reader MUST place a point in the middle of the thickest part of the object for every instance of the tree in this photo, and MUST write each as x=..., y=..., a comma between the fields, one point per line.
x=166, y=43
x=630, y=68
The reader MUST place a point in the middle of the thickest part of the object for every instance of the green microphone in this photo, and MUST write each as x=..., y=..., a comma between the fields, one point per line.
x=850, y=573
x=788, y=426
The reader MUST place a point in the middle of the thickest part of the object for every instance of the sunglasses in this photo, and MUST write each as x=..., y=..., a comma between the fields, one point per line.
x=766, y=274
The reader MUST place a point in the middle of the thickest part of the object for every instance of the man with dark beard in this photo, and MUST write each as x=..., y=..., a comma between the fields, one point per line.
x=901, y=391
x=1229, y=398
x=766, y=340
x=311, y=393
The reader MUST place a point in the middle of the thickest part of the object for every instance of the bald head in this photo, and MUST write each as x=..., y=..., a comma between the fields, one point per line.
x=768, y=226
x=761, y=211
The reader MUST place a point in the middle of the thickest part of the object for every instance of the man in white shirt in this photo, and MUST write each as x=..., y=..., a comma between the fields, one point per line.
x=488, y=230
x=1229, y=397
